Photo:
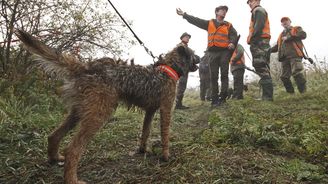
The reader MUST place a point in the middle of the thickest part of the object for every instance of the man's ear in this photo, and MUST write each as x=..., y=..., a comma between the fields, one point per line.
x=182, y=51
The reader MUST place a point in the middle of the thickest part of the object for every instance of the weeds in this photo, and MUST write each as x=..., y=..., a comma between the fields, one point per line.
x=285, y=141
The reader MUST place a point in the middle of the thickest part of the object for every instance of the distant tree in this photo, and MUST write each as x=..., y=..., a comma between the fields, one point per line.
x=85, y=27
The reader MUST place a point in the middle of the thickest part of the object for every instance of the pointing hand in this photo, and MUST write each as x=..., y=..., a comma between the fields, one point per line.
x=180, y=12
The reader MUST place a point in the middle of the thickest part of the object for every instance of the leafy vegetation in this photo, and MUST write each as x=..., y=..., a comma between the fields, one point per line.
x=247, y=141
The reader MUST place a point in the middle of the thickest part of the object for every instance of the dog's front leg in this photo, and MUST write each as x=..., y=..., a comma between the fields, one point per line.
x=165, y=130
x=146, y=130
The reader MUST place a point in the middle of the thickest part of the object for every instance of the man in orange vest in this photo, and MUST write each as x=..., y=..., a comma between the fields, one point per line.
x=221, y=38
x=259, y=41
x=290, y=54
x=237, y=68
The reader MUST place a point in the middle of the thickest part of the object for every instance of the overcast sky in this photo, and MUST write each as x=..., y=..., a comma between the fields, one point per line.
x=159, y=27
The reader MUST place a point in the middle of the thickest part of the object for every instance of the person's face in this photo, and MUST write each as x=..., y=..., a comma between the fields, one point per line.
x=286, y=24
x=252, y=3
x=221, y=13
x=185, y=39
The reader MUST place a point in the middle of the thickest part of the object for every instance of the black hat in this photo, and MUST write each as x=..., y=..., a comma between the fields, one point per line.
x=185, y=34
x=221, y=7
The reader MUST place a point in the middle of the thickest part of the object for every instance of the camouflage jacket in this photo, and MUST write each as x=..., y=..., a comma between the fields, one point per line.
x=287, y=50
x=203, y=24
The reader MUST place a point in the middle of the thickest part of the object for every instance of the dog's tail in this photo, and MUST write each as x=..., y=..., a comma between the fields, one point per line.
x=51, y=61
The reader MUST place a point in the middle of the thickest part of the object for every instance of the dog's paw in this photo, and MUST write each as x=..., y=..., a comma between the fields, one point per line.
x=164, y=159
x=59, y=159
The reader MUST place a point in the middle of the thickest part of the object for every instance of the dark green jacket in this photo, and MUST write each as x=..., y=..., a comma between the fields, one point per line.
x=203, y=24
x=287, y=49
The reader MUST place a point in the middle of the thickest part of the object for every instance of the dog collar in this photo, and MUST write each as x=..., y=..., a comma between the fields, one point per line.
x=169, y=71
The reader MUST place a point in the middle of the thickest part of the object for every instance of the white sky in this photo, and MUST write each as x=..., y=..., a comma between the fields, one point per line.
x=159, y=27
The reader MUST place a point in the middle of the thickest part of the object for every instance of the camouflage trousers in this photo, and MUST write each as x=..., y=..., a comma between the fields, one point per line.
x=219, y=60
x=261, y=57
x=293, y=67
x=261, y=62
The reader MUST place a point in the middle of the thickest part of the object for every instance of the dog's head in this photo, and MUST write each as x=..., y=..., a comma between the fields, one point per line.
x=174, y=59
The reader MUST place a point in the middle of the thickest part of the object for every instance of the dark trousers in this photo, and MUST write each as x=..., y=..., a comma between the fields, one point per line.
x=219, y=61
x=238, y=83
x=205, y=91
x=182, y=86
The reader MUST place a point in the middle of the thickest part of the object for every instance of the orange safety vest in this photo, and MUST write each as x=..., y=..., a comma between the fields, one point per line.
x=298, y=48
x=265, y=30
x=240, y=61
x=218, y=37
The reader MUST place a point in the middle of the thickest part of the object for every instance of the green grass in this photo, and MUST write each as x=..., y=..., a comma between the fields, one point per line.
x=247, y=141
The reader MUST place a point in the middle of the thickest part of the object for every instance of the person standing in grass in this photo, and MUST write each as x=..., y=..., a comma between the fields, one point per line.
x=189, y=66
x=237, y=68
x=290, y=54
x=221, y=38
x=259, y=41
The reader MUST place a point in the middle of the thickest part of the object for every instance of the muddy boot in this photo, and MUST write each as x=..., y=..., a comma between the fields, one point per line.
x=267, y=89
x=288, y=85
x=301, y=83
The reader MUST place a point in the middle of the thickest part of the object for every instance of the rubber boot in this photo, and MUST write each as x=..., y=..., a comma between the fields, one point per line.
x=301, y=83
x=288, y=85
x=267, y=89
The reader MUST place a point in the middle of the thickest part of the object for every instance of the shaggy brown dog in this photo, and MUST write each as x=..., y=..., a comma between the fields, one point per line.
x=93, y=90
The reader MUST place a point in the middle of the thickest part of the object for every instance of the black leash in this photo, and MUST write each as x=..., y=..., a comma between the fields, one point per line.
x=134, y=34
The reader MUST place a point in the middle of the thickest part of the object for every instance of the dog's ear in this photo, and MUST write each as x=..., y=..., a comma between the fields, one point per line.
x=182, y=51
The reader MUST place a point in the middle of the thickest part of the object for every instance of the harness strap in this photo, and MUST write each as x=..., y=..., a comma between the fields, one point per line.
x=169, y=71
